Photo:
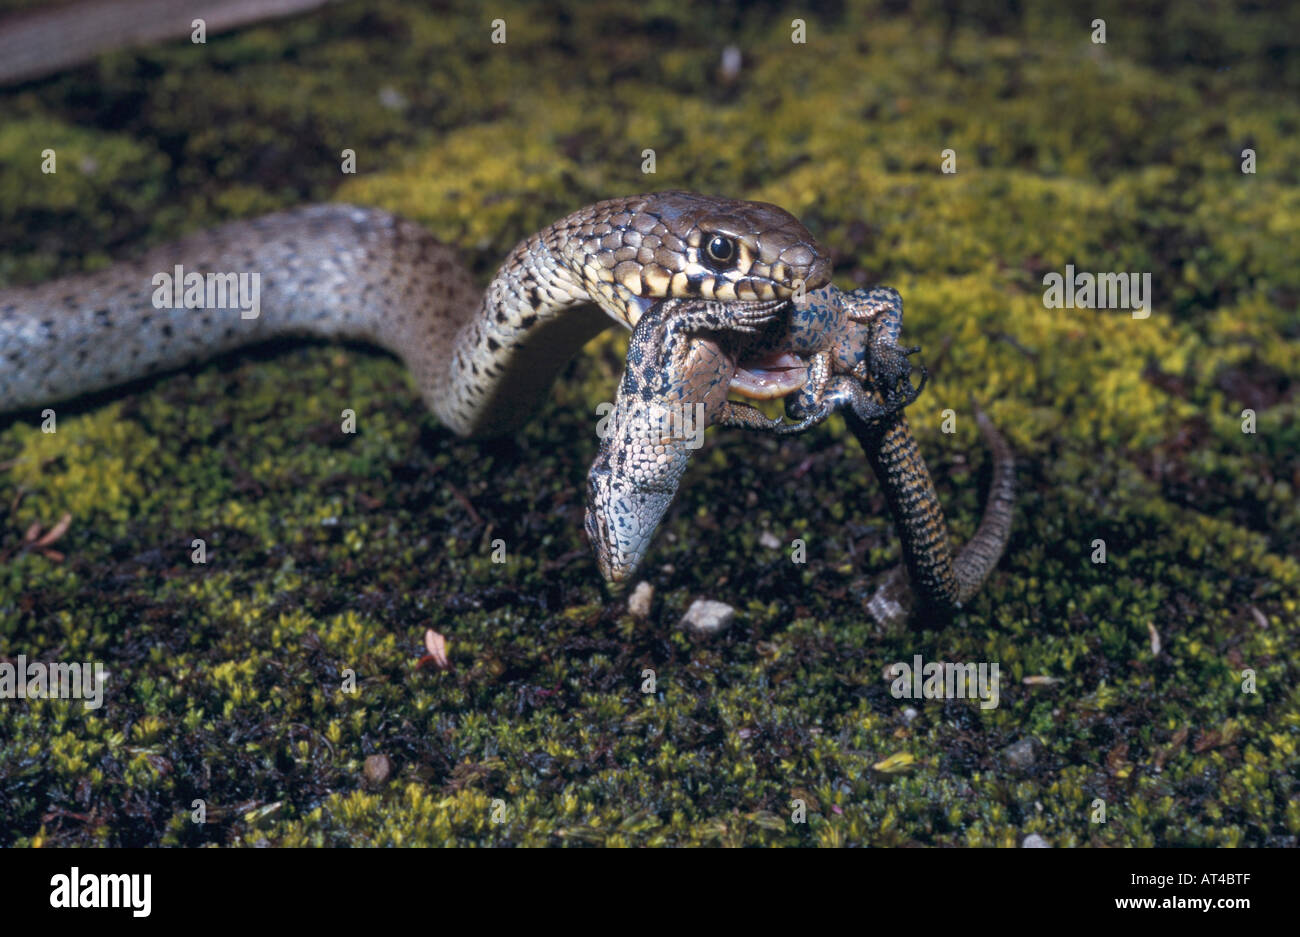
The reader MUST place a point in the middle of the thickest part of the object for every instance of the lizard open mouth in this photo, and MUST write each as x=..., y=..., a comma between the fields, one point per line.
x=769, y=376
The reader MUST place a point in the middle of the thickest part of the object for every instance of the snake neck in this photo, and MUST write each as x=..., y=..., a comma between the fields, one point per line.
x=480, y=358
x=322, y=270
x=545, y=302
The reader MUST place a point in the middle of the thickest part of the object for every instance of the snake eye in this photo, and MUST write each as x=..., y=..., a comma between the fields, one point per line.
x=720, y=250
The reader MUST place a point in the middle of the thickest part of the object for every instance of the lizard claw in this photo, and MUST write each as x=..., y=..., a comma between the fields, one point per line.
x=743, y=416
x=817, y=416
x=875, y=407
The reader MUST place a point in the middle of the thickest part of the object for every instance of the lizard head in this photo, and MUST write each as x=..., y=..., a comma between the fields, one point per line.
x=666, y=398
x=621, y=519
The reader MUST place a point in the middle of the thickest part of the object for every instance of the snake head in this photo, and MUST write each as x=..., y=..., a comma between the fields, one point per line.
x=683, y=245
x=621, y=519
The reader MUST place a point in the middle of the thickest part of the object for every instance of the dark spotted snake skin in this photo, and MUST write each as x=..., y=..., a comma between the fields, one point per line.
x=482, y=359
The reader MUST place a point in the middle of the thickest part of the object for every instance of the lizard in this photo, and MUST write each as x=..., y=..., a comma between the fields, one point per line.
x=835, y=351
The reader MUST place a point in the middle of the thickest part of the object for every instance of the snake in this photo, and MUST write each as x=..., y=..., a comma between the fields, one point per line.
x=833, y=351
x=481, y=359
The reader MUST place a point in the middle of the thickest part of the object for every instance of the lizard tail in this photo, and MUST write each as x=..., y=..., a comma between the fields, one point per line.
x=930, y=579
x=978, y=557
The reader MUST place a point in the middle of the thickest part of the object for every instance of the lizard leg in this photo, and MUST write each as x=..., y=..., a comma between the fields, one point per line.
x=744, y=416
x=865, y=305
x=884, y=367
x=808, y=406
x=870, y=405
x=808, y=401
x=842, y=392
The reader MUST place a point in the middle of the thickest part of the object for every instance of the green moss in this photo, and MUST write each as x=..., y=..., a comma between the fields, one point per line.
x=259, y=682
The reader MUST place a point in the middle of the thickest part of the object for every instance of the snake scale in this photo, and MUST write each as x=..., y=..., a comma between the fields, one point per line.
x=482, y=360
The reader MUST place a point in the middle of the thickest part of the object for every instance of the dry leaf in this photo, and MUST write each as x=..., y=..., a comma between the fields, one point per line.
x=55, y=532
x=436, y=645
x=895, y=764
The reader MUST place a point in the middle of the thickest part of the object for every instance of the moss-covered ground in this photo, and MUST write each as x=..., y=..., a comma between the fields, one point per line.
x=330, y=552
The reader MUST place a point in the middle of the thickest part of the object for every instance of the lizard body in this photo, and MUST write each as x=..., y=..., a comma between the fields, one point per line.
x=851, y=361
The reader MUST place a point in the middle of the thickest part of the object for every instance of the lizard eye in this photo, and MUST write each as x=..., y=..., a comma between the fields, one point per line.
x=720, y=250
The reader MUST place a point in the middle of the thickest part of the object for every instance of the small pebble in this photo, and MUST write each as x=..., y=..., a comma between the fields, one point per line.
x=378, y=768
x=707, y=617
x=729, y=67
x=910, y=714
x=1034, y=841
x=638, y=603
x=1021, y=754
x=392, y=99
x=769, y=541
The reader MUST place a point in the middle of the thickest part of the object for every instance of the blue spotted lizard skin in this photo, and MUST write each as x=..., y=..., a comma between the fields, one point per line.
x=681, y=362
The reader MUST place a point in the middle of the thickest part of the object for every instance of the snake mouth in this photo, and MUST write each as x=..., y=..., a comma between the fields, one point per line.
x=769, y=376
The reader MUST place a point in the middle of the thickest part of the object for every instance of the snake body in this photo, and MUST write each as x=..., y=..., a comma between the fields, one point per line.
x=481, y=359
